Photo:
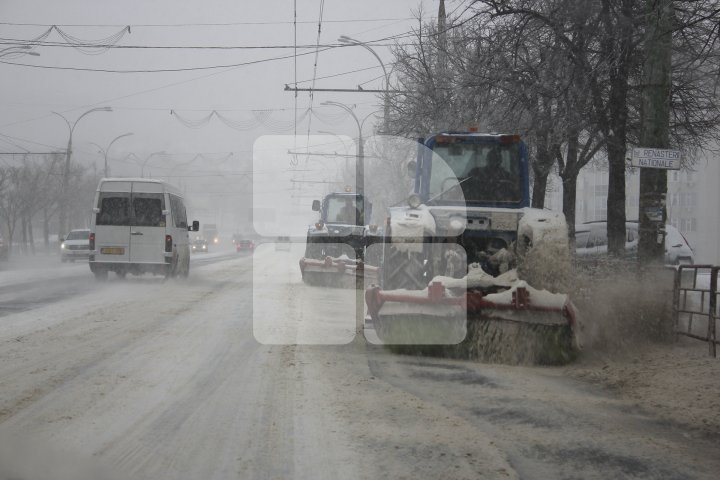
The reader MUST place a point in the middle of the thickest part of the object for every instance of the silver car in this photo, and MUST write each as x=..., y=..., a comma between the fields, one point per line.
x=591, y=242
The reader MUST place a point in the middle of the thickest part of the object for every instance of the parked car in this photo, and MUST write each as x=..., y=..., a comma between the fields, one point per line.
x=75, y=246
x=591, y=242
x=282, y=243
x=245, y=246
x=200, y=245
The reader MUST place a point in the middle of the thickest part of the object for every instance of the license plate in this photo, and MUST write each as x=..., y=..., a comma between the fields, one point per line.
x=112, y=251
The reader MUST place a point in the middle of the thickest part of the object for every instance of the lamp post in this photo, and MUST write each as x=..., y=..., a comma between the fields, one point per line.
x=351, y=41
x=360, y=164
x=147, y=159
x=106, y=150
x=62, y=213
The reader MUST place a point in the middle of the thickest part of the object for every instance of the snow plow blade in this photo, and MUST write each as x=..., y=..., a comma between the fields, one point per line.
x=336, y=272
x=517, y=326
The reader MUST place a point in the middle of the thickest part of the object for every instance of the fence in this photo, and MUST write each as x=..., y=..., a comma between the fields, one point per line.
x=695, y=303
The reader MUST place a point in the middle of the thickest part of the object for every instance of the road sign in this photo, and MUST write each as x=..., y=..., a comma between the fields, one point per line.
x=656, y=158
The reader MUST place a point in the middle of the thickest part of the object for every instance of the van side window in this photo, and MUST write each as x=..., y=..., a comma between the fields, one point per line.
x=178, y=211
x=147, y=209
x=114, y=209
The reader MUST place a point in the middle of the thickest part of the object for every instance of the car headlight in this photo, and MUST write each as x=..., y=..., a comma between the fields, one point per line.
x=62, y=246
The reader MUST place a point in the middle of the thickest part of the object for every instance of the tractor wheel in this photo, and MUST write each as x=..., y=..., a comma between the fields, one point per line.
x=403, y=269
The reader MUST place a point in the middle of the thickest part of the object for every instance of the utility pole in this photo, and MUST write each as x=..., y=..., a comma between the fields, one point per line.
x=655, y=129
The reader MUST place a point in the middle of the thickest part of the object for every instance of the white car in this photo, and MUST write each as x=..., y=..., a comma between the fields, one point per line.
x=75, y=246
x=591, y=242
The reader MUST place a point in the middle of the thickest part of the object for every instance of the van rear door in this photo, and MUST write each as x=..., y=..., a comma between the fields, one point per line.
x=112, y=223
x=147, y=231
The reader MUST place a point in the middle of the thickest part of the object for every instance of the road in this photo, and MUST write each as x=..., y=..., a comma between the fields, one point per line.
x=145, y=378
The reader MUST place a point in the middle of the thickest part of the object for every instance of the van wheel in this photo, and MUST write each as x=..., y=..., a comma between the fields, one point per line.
x=101, y=275
x=171, y=269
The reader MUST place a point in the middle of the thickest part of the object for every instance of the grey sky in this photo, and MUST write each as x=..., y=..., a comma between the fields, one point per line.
x=142, y=101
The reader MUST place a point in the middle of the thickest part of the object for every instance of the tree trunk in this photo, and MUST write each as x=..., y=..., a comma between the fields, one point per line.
x=541, y=170
x=616, y=197
x=569, y=183
x=23, y=236
x=46, y=229
x=655, y=131
x=31, y=238
x=10, y=223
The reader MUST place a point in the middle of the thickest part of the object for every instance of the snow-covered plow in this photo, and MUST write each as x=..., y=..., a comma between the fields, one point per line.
x=495, y=319
x=343, y=272
x=468, y=269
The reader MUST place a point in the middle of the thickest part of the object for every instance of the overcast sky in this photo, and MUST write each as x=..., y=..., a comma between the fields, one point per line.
x=142, y=102
x=58, y=79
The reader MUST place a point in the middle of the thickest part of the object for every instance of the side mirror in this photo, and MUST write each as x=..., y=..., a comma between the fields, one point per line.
x=316, y=205
x=412, y=168
x=195, y=226
x=96, y=210
x=166, y=213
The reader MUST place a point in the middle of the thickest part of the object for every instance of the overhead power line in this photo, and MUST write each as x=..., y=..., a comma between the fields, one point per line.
x=43, y=43
x=227, y=24
x=161, y=70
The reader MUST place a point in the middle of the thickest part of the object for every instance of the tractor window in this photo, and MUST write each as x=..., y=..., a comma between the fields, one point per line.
x=345, y=210
x=476, y=172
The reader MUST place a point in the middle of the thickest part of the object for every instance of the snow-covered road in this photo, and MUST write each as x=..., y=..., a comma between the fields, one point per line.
x=165, y=380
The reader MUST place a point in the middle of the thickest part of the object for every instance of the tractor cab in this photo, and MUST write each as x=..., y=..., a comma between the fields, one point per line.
x=343, y=208
x=473, y=170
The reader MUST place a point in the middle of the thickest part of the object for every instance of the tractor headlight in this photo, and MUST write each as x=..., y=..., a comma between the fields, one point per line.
x=414, y=200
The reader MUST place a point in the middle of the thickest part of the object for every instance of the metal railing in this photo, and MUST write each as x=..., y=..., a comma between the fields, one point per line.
x=695, y=303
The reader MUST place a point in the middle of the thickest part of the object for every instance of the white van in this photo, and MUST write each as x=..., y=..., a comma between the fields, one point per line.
x=139, y=226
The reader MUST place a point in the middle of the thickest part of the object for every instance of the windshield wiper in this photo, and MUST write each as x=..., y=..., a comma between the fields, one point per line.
x=447, y=190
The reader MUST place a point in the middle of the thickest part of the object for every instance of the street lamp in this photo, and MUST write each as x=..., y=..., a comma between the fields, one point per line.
x=359, y=167
x=62, y=213
x=105, y=151
x=351, y=41
x=147, y=159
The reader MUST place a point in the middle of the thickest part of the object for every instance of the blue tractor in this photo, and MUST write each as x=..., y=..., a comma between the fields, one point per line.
x=467, y=253
x=336, y=244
